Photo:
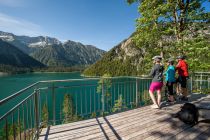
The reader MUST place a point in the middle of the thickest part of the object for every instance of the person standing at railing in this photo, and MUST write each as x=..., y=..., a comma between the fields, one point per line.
x=157, y=81
x=170, y=80
x=182, y=68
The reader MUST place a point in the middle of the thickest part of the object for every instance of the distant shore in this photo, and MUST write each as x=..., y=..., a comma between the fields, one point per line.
x=54, y=72
x=6, y=74
x=3, y=74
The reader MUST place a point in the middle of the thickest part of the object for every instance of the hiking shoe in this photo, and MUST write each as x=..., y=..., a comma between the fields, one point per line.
x=184, y=98
x=170, y=102
x=154, y=106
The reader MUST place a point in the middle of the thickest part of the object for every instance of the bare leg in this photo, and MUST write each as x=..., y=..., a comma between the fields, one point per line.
x=184, y=92
x=152, y=97
x=178, y=90
x=171, y=98
x=159, y=97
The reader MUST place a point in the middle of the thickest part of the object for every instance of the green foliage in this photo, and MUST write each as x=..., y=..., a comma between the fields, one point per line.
x=104, y=86
x=10, y=128
x=60, y=69
x=145, y=98
x=110, y=63
x=104, y=83
x=68, y=109
x=45, y=115
x=93, y=114
x=198, y=54
x=202, y=91
x=132, y=1
x=162, y=20
x=8, y=69
x=119, y=105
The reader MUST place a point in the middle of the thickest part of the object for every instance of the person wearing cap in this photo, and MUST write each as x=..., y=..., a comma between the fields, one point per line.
x=170, y=79
x=182, y=68
x=157, y=81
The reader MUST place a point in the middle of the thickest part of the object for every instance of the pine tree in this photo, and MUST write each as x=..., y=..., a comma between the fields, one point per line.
x=163, y=21
x=68, y=109
x=171, y=28
x=119, y=104
x=104, y=86
x=45, y=115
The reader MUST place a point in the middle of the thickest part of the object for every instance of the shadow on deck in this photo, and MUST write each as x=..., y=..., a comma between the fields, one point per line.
x=139, y=124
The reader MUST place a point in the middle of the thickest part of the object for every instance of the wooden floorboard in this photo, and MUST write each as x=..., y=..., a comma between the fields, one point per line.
x=192, y=132
x=204, y=135
x=138, y=124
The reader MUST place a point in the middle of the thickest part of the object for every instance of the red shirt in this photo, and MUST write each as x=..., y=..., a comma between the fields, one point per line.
x=182, y=68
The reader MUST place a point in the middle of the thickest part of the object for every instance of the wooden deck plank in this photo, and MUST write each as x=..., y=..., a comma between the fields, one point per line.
x=192, y=132
x=204, y=135
x=109, y=131
x=66, y=127
x=140, y=123
x=152, y=120
x=90, y=121
x=72, y=134
x=147, y=131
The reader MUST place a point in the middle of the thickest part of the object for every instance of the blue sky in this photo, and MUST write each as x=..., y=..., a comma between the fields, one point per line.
x=102, y=23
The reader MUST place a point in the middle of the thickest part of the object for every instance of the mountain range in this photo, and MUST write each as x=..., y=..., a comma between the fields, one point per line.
x=52, y=52
x=10, y=55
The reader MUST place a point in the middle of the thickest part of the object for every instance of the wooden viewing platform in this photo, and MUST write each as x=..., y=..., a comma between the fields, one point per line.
x=138, y=124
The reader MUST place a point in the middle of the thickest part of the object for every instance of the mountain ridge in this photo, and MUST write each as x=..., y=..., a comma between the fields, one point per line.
x=10, y=55
x=52, y=52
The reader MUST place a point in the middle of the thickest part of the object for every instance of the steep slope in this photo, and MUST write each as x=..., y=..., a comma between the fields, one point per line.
x=123, y=59
x=68, y=54
x=53, y=55
x=84, y=54
x=10, y=55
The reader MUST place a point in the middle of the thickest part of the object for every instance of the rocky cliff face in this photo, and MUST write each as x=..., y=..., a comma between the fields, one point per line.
x=123, y=59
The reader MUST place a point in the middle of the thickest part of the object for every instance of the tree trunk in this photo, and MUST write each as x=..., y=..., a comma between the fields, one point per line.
x=175, y=16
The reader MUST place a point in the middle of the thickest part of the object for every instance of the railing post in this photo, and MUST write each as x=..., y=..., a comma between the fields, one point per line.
x=191, y=84
x=6, y=127
x=53, y=100
x=36, y=113
x=103, y=100
x=201, y=82
x=137, y=92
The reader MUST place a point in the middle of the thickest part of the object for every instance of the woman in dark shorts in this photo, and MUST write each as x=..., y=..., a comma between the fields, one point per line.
x=157, y=81
x=170, y=79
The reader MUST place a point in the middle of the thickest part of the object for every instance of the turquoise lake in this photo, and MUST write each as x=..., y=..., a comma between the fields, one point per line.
x=13, y=83
x=84, y=93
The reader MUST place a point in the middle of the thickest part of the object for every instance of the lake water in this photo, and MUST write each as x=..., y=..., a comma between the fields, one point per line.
x=85, y=96
x=12, y=83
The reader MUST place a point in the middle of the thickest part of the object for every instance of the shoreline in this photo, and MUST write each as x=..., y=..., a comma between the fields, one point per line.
x=4, y=74
x=54, y=72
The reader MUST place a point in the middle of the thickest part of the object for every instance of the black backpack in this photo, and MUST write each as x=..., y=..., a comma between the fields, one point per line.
x=188, y=114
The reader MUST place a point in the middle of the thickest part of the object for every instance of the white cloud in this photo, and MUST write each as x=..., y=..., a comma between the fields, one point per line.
x=12, y=3
x=19, y=26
